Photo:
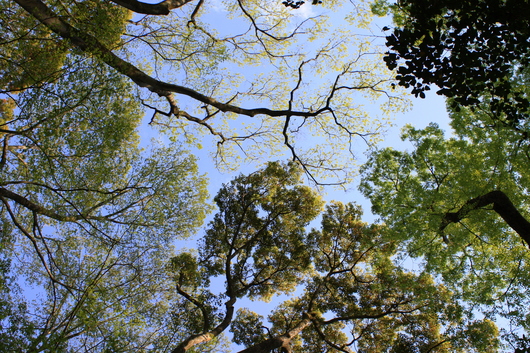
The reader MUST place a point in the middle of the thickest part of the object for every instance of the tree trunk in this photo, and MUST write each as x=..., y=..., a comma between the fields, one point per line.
x=205, y=337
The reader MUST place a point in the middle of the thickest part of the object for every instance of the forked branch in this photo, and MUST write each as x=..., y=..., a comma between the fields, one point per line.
x=92, y=45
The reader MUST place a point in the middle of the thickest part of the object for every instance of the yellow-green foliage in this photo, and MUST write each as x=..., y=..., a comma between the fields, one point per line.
x=101, y=19
x=30, y=54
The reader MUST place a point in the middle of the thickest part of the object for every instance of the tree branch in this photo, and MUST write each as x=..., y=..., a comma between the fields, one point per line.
x=501, y=204
x=282, y=341
x=21, y=200
x=90, y=44
x=162, y=8
x=36, y=208
x=193, y=340
x=196, y=302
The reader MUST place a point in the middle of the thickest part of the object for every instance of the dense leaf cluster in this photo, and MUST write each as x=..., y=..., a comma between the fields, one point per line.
x=460, y=203
x=353, y=296
x=466, y=48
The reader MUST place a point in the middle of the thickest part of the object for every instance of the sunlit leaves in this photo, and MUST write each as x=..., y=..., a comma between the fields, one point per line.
x=29, y=54
x=480, y=257
x=358, y=299
x=269, y=56
x=260, y=227
x=247, y=328
x=91, y=216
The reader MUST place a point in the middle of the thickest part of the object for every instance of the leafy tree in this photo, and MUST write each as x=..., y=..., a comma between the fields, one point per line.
x=465, y=48
x=91, y=238
x=86, y=215
x=353, y=297
x=460, y=204
x=301, y=77
x=89, y=219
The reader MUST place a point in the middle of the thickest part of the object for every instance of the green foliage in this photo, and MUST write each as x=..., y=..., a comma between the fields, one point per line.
x=482, y=332
x=30, y=54
x=92, y=217
x=248, y=328
x=102, y=20
x=261, y=221
x=89, y=219
x=480, y=257
x=16, y=328
x=357, y=298
x=352, y=295
x=385, y=8
x=366, y=295
x=430, y=199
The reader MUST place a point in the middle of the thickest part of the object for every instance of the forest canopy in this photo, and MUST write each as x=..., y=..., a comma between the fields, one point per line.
x=93, y=215
x=304, y=75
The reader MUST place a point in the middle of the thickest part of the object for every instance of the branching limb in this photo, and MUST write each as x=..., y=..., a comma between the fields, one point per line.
x=208, y=336
x=162, y=8
x=258, y=29
x=372, y=316
x=282, y=341
x=196, y=302
x=33, y=241
x=195, y=12
x=90, y=44
x=80, y=216
x=5, y=147
x=501, y=204
x=58, y=190
x=34, y=207
x=324, y=338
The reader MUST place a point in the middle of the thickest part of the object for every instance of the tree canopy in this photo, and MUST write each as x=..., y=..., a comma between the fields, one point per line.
x=86, y=215
x=353, y=296
x=90, y=216
x=181, y=61
x=460, y=204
